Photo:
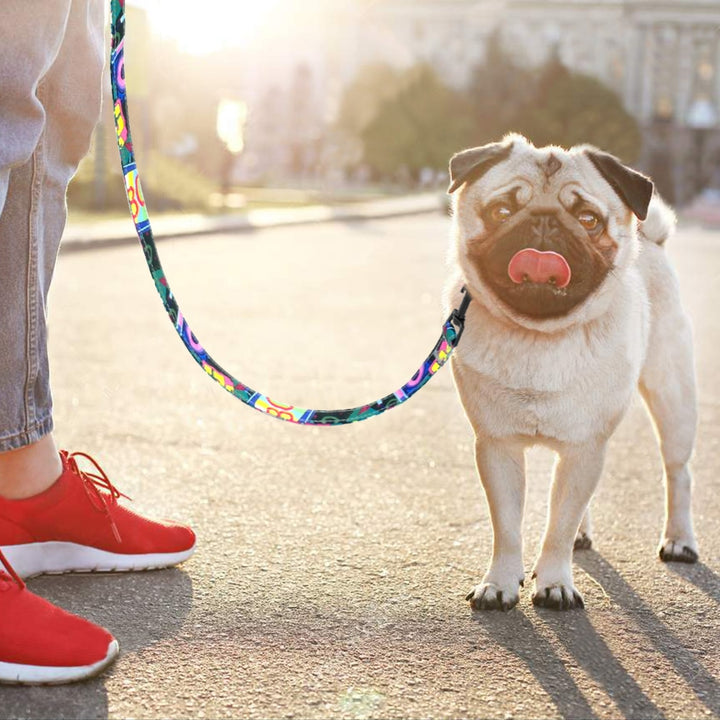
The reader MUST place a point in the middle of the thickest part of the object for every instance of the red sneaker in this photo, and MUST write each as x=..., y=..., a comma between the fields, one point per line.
x=77, y=525
x=42, y=644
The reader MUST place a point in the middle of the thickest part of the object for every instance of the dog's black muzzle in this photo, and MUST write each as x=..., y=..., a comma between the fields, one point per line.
x=545, y=232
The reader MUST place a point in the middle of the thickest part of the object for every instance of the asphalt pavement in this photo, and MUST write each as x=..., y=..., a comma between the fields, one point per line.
x=332, y=564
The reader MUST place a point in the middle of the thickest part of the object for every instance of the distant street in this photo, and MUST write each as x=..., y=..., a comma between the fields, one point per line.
x=333, y=563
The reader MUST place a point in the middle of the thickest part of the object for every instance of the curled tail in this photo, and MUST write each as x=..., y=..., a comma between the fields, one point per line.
x=660, y=223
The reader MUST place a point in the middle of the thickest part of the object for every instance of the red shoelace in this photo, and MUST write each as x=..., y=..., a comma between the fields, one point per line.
x=11, y=574
x=94, y=485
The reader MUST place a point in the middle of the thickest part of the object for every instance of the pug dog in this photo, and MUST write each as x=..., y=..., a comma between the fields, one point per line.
x=574, y=306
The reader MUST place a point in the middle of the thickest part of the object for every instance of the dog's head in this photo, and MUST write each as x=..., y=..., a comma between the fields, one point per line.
x=541, y=231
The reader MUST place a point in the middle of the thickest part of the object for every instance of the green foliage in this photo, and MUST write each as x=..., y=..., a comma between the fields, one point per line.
x=499, y=94
x=413, y=122
x=571, y=109
x=168, y=184
x=172, y=183
x=375, y=84
x=410, y=120
x=185, y=103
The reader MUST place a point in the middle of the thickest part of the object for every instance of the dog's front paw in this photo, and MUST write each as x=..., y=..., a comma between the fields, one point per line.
x=490, y=596
x=557, y=596
x=678, y=551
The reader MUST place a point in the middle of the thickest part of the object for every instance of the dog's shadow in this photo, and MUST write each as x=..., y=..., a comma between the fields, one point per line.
x=701, y=576
x=517, y=634
x=580, y=641
x=586, y=648
x=705, y=687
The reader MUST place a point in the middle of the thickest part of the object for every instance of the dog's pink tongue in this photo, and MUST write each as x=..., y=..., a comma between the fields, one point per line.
x=539, y=267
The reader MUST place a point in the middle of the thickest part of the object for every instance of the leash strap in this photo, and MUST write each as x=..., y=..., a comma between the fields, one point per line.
x=451, y=331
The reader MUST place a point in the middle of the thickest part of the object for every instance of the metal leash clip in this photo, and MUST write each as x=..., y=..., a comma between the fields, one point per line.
x=457, y=316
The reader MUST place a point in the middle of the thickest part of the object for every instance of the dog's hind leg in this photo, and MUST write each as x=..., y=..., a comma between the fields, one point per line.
x=675, y=426
x=667, y=384
x=501, y=466
x=669, y=393
x=584, y=537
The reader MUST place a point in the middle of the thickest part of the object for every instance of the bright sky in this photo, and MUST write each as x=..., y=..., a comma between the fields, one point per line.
x=201, y=27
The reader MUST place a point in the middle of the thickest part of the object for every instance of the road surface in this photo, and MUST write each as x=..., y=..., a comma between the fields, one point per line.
x=333, y=563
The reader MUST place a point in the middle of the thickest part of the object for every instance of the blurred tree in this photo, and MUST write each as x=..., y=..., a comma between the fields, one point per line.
x=407, y=121
x=361, y=101
x=498, y=94
x=303, y=134
x=417, y=127
x=549, y=105
x=185, y=105
x=570, y=109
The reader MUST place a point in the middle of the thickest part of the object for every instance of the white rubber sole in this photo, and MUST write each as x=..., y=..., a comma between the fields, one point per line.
x=14, y=674
x=56, y=558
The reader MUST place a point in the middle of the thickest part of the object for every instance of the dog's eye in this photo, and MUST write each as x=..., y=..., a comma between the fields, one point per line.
x=500, y=212
x=589, y=220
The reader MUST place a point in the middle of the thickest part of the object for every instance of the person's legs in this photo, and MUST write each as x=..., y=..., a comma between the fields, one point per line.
x=39, y=643
x=32, y=39
x=29, y=470
x=49, y=520
x=50, y=110
x=54, y=516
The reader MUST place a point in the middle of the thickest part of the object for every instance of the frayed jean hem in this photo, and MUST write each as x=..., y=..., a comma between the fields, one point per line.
x=28, y=436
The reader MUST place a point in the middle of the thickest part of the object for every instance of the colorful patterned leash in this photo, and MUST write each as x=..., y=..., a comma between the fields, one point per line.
x=451, y=331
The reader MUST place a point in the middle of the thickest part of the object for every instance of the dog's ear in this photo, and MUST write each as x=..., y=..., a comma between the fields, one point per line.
x=471, y=164
x=633, y=187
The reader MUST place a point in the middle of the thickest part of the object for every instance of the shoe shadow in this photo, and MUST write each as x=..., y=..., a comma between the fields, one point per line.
x=139, y=609
x=705, y=687
x=84, y=701
x=517, y=634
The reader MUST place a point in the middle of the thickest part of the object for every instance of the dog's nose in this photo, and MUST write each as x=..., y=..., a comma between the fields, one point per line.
x=545, y=229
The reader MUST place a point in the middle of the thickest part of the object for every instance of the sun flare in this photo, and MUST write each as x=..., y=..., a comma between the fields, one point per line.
x=215, y=25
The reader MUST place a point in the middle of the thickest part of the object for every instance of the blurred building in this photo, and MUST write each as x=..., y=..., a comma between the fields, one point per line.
x=450, y=35
x=661, y=56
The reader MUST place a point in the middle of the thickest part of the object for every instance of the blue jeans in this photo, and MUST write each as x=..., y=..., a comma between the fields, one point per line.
x=51, y=60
